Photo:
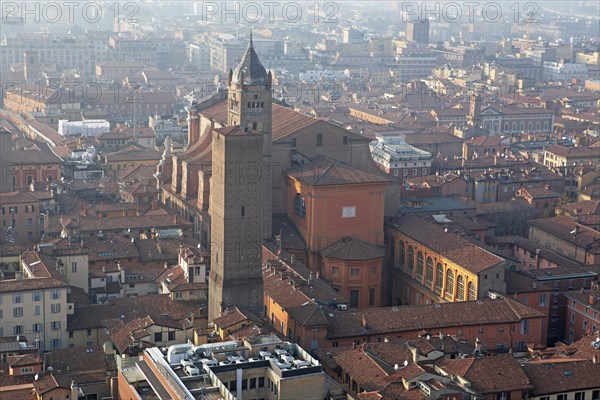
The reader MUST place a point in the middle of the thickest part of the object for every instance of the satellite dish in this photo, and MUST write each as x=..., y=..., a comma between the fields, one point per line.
x=36, y=377
x=405, y=363
x=396, y=367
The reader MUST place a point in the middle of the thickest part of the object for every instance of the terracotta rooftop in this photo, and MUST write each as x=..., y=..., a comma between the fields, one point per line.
x=285, y=120
x=561, y=227
x=324, y=171
x=428, y=317
x=493, y=374
x=352, y=249
x=517, y=283
x=159, y=307
x=561, y=376
x=234, y=315
x=573, y=152
x=299, y=292
x=50, y=382
x=21, y=285
x=450, y=245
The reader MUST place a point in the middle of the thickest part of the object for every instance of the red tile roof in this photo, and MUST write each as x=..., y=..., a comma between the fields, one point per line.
x=428, y=317
x=494, y=374
x=455, y=248
x=562, y=376
x=325, y=171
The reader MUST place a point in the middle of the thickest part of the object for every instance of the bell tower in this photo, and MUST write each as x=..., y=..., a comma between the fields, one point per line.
x=240, y=191
x=250, y=105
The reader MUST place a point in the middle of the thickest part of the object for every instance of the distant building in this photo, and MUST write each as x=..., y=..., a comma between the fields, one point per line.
x=36, y=307
x=559, y=71
x=557, y=156
x=397, y=158
x=583, y=314
x=258, y=367
x=567, y=237
x=89, y=127
x=428, y=263
x=418, y=31
x=352, y=35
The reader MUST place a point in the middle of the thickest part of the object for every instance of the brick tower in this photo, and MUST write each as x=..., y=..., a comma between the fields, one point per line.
x=240, y=198
x=249, y=104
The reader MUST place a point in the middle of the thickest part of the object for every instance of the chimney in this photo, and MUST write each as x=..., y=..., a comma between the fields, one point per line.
x=363, y=321
x=592, y=299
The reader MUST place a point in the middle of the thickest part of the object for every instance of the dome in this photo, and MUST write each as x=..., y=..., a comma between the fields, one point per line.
x=251, y=68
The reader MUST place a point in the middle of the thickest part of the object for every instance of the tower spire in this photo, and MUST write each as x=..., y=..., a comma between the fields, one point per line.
x=251, y=44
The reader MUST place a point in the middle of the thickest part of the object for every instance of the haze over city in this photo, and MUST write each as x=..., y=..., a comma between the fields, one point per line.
x=311, y=200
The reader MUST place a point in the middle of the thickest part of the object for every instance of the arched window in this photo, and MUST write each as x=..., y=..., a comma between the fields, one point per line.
x=401, y=254
x=420, y=265
x=439, y=278
x=392, y=252
x=460, y=288
x=449, y=284
x=472, y=293
x=429, y=272
x=299, y=206
x=411, y=259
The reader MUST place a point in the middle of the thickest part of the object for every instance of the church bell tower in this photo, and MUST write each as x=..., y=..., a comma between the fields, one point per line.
x=250, y=105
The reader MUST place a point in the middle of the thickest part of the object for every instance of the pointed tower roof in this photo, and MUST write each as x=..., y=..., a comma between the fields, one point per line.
x=250, y=69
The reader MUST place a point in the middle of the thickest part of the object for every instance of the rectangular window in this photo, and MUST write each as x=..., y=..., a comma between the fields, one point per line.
x=55, y=325
x=55, y=308
x=55, y=343
x=17, y=312
x=335, y=271
x=372, y=297
x=293, y=143
x=29, y=222
x=171, y=335
x=319, y=140
x=524, y=326
x=354, y=298
x=580, y=396
x=55, y=295
x=158, y=337
x=261, y=382
x=73, y=267
x=17, y=298
x=37, y=327
x=345, y=141
x=38, y=310
x=354, y=272
x=252, y=383
x=178, y=295
x=543, y=300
